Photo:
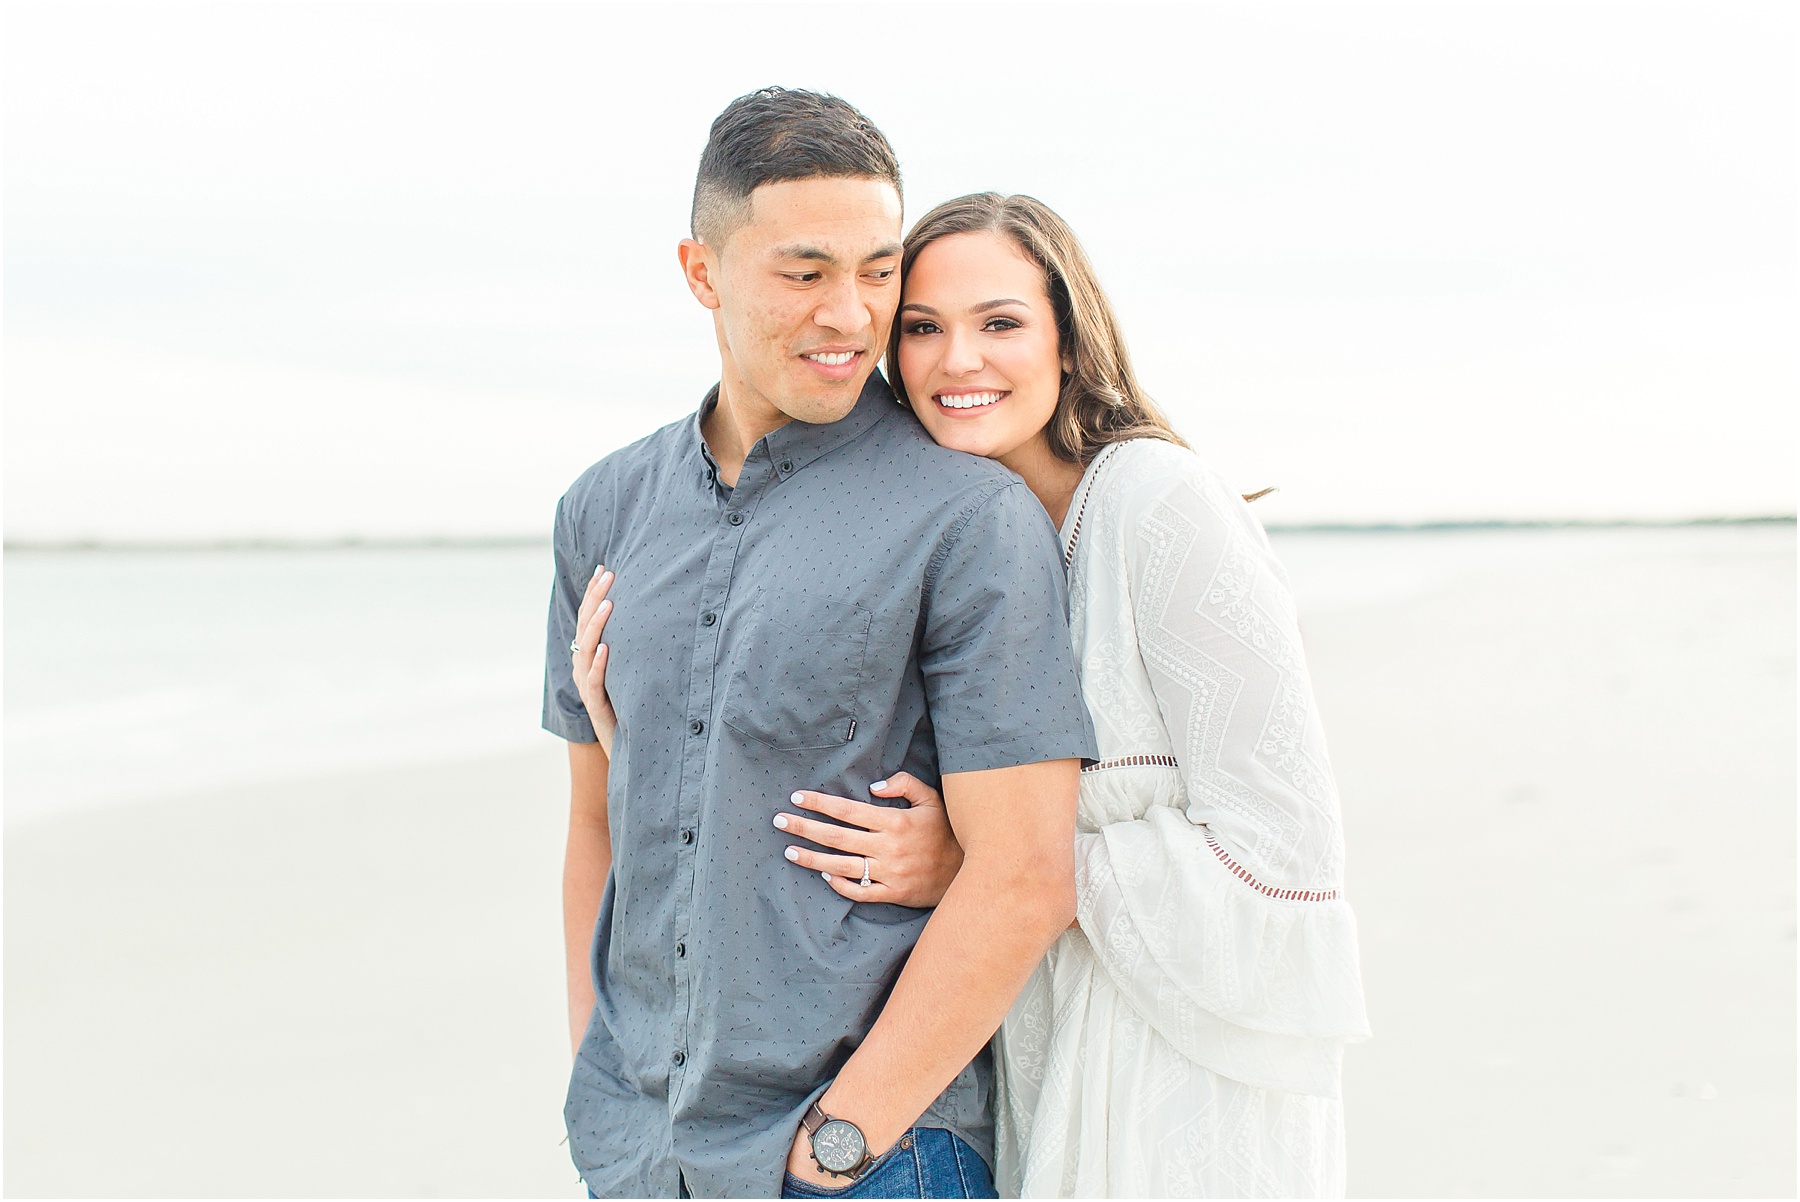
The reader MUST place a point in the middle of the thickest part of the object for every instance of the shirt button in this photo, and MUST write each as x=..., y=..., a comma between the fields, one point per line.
x=708, y=619
x=787, y=465
x=681, y=951
x=736, y=518
x=687, y=835
x=680, y=1058
x=696, y=726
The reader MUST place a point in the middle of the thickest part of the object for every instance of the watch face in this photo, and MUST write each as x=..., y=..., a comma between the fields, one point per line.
x=838, y=1146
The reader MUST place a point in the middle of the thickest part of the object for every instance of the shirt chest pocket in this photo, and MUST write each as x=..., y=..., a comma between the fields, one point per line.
x=798, y=672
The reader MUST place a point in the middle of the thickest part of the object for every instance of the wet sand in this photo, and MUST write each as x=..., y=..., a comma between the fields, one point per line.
x=1570, y=803
x=1570, y=797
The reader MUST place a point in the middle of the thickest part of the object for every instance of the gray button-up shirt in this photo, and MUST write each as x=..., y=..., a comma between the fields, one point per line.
x=863, y=601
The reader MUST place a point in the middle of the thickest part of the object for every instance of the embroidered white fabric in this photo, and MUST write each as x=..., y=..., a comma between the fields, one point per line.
x=1187, y=1040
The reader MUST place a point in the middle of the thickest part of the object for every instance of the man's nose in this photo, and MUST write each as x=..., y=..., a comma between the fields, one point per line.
x=843, y=309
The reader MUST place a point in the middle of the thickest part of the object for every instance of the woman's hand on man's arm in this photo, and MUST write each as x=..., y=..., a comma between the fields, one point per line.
x=910, y=853
x=590, y=657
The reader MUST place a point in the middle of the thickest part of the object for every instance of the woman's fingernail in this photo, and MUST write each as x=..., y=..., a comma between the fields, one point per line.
x=781, y=821
x=606, y=604
x=792, y=853
x=797, y=799
x=598, y=568
x=826, y=875
x=880, y=784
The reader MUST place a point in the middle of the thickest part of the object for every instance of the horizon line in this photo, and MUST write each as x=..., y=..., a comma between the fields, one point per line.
x=498, y=542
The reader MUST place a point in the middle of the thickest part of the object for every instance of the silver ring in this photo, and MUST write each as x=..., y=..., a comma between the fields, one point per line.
x=866, y=882
x=575, y=646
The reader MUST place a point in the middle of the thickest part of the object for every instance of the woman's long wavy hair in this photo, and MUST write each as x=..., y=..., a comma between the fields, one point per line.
x=1101, y=401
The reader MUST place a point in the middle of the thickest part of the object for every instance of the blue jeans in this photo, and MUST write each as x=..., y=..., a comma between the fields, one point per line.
x=927, y=1162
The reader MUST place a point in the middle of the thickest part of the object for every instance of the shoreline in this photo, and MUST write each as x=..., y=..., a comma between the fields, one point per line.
x=494, y=542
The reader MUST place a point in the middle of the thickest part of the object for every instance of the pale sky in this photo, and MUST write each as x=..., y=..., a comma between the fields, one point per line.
x=309, y=271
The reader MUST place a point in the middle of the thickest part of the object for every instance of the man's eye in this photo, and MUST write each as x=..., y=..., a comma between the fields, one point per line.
x=886, y=273
x=801, y=277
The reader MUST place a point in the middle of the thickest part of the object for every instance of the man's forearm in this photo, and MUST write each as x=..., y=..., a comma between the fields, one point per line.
x=586, y=861
x=974, y=956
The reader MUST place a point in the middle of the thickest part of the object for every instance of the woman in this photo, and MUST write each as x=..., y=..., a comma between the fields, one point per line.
x=1185, y=1037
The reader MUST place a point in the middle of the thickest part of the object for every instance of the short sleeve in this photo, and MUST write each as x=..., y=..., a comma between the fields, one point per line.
x=564, y=713
x=997, y=660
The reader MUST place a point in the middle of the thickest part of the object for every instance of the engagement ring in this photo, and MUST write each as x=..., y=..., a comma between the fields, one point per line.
x=866, y=882
x=575, y=646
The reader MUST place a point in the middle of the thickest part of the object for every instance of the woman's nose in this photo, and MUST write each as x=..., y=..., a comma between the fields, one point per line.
x=961, y=355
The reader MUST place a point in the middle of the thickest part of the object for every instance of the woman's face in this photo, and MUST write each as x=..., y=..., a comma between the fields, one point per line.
x=978, y=345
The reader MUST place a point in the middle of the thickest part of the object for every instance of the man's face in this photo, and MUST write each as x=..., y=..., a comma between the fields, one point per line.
x=803, y=294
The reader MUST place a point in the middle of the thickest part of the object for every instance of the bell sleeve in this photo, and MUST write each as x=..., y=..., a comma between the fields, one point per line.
x=1220, y=915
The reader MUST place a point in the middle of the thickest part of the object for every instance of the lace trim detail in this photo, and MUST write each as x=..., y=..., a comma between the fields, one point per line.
x=1132, y=761
x=1092, y=483
x=1243, y=874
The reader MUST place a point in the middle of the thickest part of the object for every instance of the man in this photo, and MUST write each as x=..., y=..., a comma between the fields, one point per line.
x=809, y=594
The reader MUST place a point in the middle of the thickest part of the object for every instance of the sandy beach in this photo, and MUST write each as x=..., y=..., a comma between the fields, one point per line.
x=1567, y=764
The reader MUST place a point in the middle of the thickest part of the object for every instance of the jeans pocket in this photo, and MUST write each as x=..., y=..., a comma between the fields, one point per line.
x=894, y=1174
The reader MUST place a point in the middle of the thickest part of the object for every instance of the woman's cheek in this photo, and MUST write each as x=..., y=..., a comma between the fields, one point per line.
x=912, y=369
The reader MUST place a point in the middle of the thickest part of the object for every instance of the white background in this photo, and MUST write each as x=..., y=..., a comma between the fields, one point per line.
x=308, y=271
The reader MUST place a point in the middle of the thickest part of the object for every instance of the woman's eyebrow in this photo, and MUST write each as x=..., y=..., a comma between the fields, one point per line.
x=983, y=307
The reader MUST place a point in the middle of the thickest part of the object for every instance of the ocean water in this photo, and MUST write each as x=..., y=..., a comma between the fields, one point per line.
x=134, y=675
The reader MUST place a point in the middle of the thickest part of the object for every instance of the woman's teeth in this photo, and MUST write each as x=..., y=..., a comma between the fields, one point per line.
x=969, y=400
x=832, y=360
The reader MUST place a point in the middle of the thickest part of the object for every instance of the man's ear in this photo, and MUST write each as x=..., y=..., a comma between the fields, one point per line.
x=700, y=267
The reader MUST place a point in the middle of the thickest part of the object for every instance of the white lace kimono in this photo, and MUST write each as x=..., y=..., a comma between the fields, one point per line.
x=1187, y=1039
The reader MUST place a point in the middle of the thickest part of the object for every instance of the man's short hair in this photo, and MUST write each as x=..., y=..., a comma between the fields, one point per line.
x=778, y=134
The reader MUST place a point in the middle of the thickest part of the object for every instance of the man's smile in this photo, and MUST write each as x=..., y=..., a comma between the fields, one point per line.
x=835, y=363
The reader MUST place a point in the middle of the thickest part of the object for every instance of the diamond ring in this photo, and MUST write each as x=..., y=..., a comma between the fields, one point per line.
x=866, y=882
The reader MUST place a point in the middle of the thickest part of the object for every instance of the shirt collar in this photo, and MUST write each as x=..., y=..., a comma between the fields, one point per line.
x=793, y=446
x=709, y=467
x=799, y=443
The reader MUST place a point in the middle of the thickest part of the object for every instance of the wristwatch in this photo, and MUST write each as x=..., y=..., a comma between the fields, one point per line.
x=838, y=1145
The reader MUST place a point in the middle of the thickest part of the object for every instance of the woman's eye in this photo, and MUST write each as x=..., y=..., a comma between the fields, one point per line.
x=922, y=327
x=1002, y=323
